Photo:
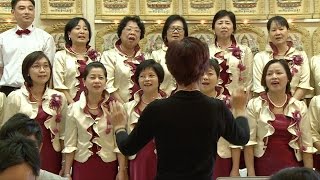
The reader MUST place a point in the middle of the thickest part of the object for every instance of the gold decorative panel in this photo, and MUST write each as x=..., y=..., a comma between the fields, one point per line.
x=152, y=39
x=296, y=9
x=251, y=36
x=114, y=9
x=316, y=6
x=301, y=38
x=200, y=9
x=6, y=26
x=158, y=9
x=5, y=9
x=57, y=32
x=60, y=9
x=202, y=32
x=315, y=41
x=249, y=9
x=106, y=37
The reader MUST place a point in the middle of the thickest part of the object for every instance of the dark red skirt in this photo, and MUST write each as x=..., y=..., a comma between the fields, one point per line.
x=144, y=166
x=50, y=159
x=222, y=167
x=316, y=161
x=279, y=154
x=94, y=168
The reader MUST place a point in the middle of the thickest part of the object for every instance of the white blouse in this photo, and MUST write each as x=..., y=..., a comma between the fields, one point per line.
x=314, y=115
x=2, y=106
x=259, y=114
x=18, y=102
x=65, y=71
x=169, y=83
x=78, y=138
x=315, y=75
x=301, y=78
x=118, y=72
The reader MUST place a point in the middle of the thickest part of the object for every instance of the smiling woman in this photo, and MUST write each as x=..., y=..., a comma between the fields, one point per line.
x=122, y=60
x=69, y=64
x=47, y=106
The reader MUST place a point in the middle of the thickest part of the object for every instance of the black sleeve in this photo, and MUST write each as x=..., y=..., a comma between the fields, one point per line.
x=235, y=130
x=140, y=135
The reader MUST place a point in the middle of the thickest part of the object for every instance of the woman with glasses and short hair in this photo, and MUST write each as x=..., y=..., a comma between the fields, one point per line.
x=175, y=28
x=122, y=60
x=47, y=106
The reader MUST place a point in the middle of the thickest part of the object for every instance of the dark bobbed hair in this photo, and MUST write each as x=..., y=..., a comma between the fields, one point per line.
x=21, y=124
x=167, y=24
x=73, y=23
x=123, y=23
x=215, y=65
x=296, y=173
x=28, y=61
x=187, y=60
x=150, y=63
x=279, y=20
x=285, y=65
x=15, y=2
x=92, y=65
x=222, y=13
x=17, y=150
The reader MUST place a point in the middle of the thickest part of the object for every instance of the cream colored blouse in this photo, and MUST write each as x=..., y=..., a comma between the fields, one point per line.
x=2, y=106
x=259, y=114
x=18, y=102
x=78, y=139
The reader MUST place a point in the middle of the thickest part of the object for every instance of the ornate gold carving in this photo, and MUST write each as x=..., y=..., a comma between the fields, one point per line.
x=159, y=4
x=101, y=34
x=201, y=4
x=56, y=28
x=247, y=29
x=5, y=4
x=152, y=34
x=245, y=3
x=201, y=28
x=115, y=3
x=304, y=38
x=61, y=3
x=7, y=26
x=292, y=3
x=315, y=41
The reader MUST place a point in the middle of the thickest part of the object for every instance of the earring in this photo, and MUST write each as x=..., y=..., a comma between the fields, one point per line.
x=69, y=38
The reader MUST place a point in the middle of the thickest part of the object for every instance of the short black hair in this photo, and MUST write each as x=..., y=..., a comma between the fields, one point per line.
x=285, y=65
x=123, y=23
x=21, y=124
x=222, y=13
x=167, y=24
x=279, y=20
x=296, y=173
x=73, y=23
x=94, y=64
x=15, y=2
x=215, y=65
x=28, y=62
x=18, y=150
x=149, y=63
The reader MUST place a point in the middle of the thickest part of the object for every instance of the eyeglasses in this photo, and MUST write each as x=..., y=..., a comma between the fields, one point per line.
x=129, y=29
x=178, y=29
x=38, y=67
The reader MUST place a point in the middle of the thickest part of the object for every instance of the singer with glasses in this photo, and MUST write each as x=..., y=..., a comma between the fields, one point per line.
x=47, y=106
x=175, y=28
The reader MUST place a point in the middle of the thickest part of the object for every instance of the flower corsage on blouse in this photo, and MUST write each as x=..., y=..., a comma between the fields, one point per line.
x=296, y=117
x=55, y=104
x=93, y=54
x=236, y=52
x=296, y=61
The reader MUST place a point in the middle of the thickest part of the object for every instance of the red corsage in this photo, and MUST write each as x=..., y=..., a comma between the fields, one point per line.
x=296, y=116
x=93, y=54
x=236, y=52
x=297, y=60
x=55, y=104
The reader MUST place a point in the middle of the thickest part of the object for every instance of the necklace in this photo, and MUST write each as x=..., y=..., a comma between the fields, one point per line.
x=92, y=108
x=125, y=52
x=82, y=54
x=277, y=105
x=153, y=98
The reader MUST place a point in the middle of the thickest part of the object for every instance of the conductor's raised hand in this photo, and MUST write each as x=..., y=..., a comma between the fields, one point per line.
x=117, y=115
x=239, y=101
